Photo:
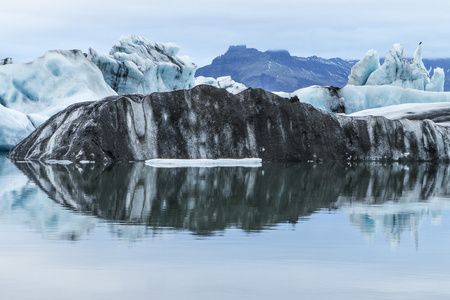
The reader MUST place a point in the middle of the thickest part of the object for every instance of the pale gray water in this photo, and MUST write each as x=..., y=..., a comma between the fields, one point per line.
x=281, y=231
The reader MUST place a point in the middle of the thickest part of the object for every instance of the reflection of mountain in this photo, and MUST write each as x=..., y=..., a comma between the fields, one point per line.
x=205, y=200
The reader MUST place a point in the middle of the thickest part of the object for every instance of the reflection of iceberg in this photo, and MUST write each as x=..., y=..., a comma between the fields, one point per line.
x=416, y=196
x=394, y=218
x=21, y=202
x=207, y=200
x=202, y=200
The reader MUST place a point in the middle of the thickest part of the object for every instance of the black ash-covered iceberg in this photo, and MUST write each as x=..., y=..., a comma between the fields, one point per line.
x=206, y=122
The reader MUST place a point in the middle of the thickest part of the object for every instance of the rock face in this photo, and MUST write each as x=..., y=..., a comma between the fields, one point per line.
x=137, y=65
x=206, y=122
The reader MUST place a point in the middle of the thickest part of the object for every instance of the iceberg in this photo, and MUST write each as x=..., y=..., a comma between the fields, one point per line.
x=210, y=123
x=137, y=65
x=371, y=85
x=363, y=68
x=32, y=92
x=14, y=127
x=352, y=98
x=223, y=82
x=50, y=83
x=396, y=70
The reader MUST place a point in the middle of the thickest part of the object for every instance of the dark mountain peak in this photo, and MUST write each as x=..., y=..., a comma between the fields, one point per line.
x=277, y=70
x=279, y=55
x=237, y=48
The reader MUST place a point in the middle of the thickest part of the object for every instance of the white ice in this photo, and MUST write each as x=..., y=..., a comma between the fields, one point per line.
x=14, y=127
x=356, y=98
x=137, y=65
x=51, y=83
x=396, y=70
x=224, y=82
x=408, y=110
x=224, y=162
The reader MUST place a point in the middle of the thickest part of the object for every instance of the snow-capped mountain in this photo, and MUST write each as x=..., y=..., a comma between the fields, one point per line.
x=277, y=70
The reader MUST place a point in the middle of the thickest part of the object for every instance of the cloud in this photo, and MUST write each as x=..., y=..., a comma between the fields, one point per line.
x=204, y=29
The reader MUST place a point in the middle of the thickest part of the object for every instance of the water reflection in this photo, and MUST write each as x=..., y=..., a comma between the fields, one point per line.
x=398, y=200
x=391, y=197
x=21, y=202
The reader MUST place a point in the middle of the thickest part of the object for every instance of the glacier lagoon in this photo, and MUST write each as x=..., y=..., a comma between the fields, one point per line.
x=290, y=231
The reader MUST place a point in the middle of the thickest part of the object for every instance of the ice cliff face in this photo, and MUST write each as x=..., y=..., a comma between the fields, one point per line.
x=206, y=122
x=397, y=71
x=137, y=65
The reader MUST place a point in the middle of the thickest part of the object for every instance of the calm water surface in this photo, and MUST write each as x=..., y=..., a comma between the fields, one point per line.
x=280, y=231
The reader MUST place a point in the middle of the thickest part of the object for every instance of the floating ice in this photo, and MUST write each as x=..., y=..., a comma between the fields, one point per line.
x=137, y=65
x=223, y=162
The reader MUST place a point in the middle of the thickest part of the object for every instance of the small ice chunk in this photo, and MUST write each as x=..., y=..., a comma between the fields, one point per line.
x=221, y=162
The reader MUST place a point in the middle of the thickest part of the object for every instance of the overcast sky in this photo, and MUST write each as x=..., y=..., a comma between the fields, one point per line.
x=204, y=29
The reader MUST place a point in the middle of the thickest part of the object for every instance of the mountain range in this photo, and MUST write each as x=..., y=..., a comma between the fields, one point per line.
x=278, y=70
